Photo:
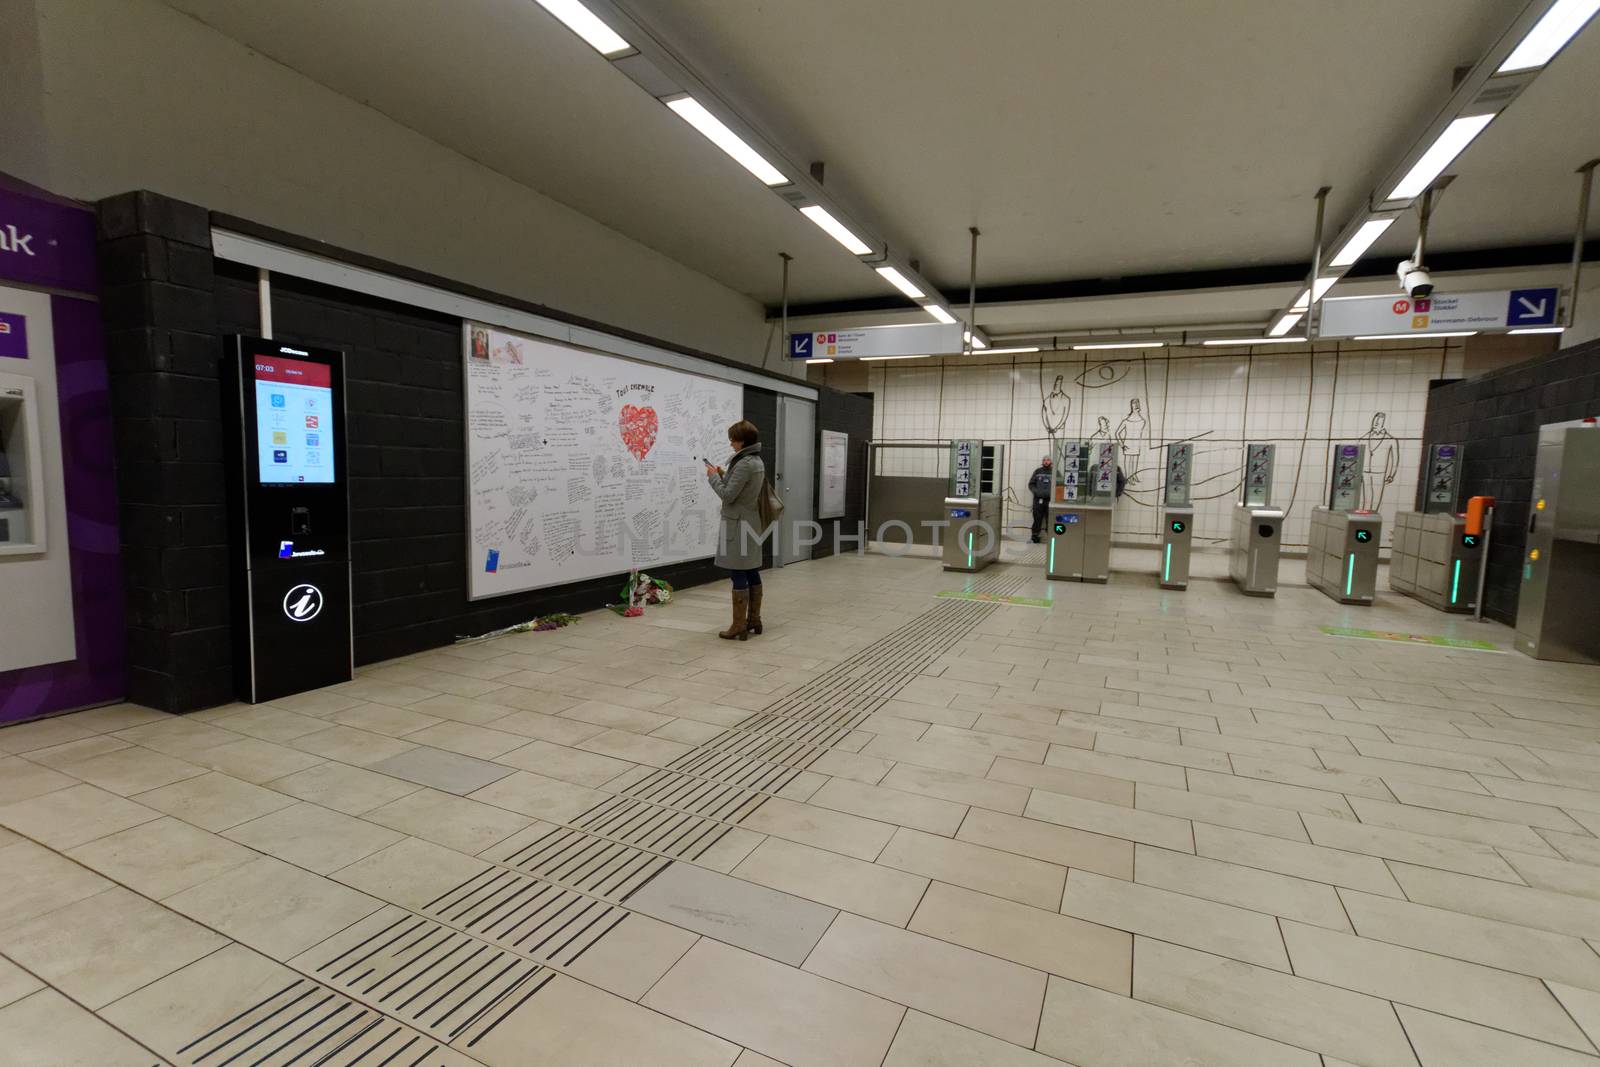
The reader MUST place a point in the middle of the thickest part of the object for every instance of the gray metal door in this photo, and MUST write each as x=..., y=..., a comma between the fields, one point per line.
x=795, y=476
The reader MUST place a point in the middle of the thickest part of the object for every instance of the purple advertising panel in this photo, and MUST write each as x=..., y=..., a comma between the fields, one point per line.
x=50, y=243
x=45, y=241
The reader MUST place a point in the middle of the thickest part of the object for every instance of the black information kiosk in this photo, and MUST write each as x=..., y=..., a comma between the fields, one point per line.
x=290, y=505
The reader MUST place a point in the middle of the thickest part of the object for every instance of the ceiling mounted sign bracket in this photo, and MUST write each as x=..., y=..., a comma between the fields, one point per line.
x=971, y=332
x=1585, y=187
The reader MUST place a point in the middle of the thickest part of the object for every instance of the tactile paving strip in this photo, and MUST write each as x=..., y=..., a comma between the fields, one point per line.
x=306, y=1023
x=530, y=915
x=444, y=982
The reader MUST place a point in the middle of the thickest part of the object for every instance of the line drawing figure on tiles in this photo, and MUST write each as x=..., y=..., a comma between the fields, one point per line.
x=1383, y=461
x=1055, y=407
x=1131, y=434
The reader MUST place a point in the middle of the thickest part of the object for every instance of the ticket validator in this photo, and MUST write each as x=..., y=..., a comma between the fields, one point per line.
x=290, y=512
x=1558, y=606
x=1080, y=512
x=1177, y=516
x=1434, y=558
x=1257, y=533
x=1342, y=560
x=974, y=496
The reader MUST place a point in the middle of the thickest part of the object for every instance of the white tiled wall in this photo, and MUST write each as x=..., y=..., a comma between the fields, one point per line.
x=1302, y=401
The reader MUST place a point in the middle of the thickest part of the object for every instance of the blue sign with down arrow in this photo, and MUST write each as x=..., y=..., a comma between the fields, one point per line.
x=1532, y=307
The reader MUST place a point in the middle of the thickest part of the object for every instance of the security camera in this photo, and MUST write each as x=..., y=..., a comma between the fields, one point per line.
x=1414, y=279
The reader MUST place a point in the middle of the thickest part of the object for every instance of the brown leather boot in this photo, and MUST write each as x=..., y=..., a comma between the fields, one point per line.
x=754, y=621
x=739, y=631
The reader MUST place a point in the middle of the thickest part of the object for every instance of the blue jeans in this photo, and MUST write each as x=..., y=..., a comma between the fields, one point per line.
x=746, y=579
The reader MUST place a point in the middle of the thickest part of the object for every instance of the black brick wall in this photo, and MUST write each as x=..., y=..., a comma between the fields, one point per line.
x=159, y=308
x=1497, y=417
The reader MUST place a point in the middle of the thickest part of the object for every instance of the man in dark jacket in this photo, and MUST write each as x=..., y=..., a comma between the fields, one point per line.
x=1040, y=485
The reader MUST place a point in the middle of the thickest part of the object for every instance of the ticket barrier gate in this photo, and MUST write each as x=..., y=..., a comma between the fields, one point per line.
x=1080, y=543
x=972, y=541
x=1177, y=516
x=1343, y=558
x=1257, y=532
x=1435, y=560
x=1080, y=514
x=973, y=506
x=1253, y=553
x=1557, y=617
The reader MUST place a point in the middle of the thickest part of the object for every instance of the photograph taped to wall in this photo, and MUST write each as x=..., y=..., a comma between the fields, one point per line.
x=582, y=465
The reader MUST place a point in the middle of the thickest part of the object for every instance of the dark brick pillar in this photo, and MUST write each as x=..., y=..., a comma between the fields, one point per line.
x=164, y=353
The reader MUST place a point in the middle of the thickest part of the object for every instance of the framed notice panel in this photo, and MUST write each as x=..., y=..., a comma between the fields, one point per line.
x=832, y=480
x=582, y=465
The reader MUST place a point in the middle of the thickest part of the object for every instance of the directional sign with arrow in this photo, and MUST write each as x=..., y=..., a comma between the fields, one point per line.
x=1532, y=307
x=1490, y=311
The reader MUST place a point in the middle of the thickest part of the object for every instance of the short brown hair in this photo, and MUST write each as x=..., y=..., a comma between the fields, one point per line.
x=744, y=431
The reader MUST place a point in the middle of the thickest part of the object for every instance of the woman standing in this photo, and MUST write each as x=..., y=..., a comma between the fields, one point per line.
x=739, y=487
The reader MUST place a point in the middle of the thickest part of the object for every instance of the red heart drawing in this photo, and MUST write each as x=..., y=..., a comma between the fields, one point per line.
x=638, y=427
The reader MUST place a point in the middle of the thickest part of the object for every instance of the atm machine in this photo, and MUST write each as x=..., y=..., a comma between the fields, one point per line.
x=22, y=484
x=1257, y=526
x=1342, y=561
x=290, y=515
x=1433, y=557
x=974, y=497
x=1177, y=516
x=1081, y=510
x=1558, y=608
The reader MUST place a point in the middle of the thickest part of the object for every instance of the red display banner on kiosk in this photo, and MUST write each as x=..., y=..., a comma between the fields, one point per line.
x=295, y=372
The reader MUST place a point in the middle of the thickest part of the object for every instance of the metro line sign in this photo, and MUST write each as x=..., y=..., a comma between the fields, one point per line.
x=914, y=339
x=1492, y=311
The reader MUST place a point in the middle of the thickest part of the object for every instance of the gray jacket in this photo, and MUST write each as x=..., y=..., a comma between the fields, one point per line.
x=739, y=544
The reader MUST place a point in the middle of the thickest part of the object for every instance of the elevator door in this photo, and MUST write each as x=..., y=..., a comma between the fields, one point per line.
x=795, y=476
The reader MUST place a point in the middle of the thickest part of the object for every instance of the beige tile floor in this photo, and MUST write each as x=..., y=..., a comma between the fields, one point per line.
x=1135, y=828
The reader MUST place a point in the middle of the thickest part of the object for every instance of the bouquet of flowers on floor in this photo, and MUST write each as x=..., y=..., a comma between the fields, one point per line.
x=639, y=590
x=543, y=622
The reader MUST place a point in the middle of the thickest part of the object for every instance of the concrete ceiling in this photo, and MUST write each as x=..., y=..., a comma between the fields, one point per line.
x=1088, y=139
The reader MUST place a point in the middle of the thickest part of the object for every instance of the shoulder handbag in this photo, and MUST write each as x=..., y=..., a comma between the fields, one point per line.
x=768, y=505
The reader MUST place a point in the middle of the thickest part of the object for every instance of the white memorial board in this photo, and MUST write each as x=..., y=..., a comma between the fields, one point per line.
x=582, y=465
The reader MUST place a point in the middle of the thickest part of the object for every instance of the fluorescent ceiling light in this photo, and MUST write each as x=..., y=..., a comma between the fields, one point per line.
x=1255, y=341
x=939, y=313
x=1323, y=285
x=1439, y=155
x=898, y=280
x=1119, y=344
x=879, y=359
x=1287, y=323
x=691, y=111
x=1540, y=329
x=1361, y=240
x=1559, y=25
x=1412, y=336
x=583, y=22
x=1012, y=351
x=809, y=362
x=835, y=229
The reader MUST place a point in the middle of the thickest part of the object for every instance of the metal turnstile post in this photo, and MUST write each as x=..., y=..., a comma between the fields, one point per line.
x=1253, y=553
x=1177, y=534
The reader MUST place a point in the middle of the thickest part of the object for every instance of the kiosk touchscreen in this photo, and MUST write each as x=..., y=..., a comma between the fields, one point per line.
x=291, y=518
